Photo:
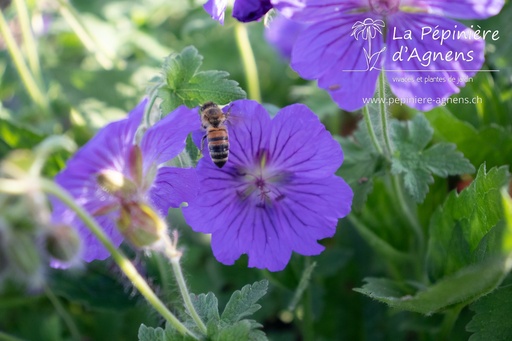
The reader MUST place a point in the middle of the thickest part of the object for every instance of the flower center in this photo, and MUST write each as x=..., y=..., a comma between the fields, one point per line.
x=384, y=7
x=261, y=184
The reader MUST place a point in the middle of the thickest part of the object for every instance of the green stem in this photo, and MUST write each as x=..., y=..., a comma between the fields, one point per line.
x=383, y=114
x=28, y=40
x=149, y=106
x=26, y=76
x=449, y=320
x=308, y=332
x=174, y=257
x=91, y=44
x=68, y=320
x=303, y=285
x=122, y=261
x=248, y=60
x=371, y=131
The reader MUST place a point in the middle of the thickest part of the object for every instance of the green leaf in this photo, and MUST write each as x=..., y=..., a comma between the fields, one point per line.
x=464, y=286
x=492, y=316
x=243, y=302
x=474, y=246
x=151, y=334
x=492, y=312
x=185, y=84
x=235, y=332
x=206, y=306
x=362, y=163
x=458, y=227
x=494, y=142
x=418, y=165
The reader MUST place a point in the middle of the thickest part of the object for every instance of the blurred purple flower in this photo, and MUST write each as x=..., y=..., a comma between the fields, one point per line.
x=282, y=34
x=243, y=10
x=327, y=51
x=278, y=192
x=248, y=10
x=143, y=179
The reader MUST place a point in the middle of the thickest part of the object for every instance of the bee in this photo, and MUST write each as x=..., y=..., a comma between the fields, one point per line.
x=213, y=120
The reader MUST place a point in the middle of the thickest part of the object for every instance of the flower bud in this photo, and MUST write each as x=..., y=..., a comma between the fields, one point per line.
x=62, y=243
x=140, y=224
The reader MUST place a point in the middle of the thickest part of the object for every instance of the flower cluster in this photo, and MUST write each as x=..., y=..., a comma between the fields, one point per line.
x=125, y=184
x=277, y=193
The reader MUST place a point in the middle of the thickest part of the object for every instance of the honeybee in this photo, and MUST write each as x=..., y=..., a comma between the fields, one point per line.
x=213, y=120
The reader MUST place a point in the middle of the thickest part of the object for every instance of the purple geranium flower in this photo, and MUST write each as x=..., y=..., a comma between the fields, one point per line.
x=243, y=10
x=277, y=193
x=248, y=10
x=425, y=55
x=120, y=181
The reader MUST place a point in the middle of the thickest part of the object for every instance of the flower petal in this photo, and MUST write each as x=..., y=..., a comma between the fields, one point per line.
x=250, y=10
x=216, y=9
x=217, y=196
x=172, y=187
x=327, y=52
x=248, y=121
x=167, y=138
x=282, y=34
x=299, y=143
x=255, y=234
x=310, y=211
x=445, y=76
x=461, y=9
x=317, y=10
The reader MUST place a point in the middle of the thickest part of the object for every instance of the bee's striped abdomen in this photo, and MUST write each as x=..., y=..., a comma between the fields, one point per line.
x=218, y=145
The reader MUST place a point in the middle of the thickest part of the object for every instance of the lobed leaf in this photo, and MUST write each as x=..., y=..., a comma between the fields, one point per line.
x=416, y=164
x=184, y=84
x=206, y=306
x=243, y=302
x=151, y=334
x=492, y=316
x=464, y=286
x=465, y=229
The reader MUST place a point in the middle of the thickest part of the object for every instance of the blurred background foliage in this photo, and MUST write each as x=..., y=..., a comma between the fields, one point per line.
x=93, y=76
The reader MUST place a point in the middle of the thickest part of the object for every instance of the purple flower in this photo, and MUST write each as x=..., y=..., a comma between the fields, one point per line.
x=277, y=193
x=120, y=181
x=425, y=55
x=282, y=34
x=243, y=10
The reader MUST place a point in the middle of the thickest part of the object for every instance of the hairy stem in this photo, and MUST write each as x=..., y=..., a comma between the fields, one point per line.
x=248, y=61
x=383, y=114
x=174, y=257
x=395, y=179
x=371, y=131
